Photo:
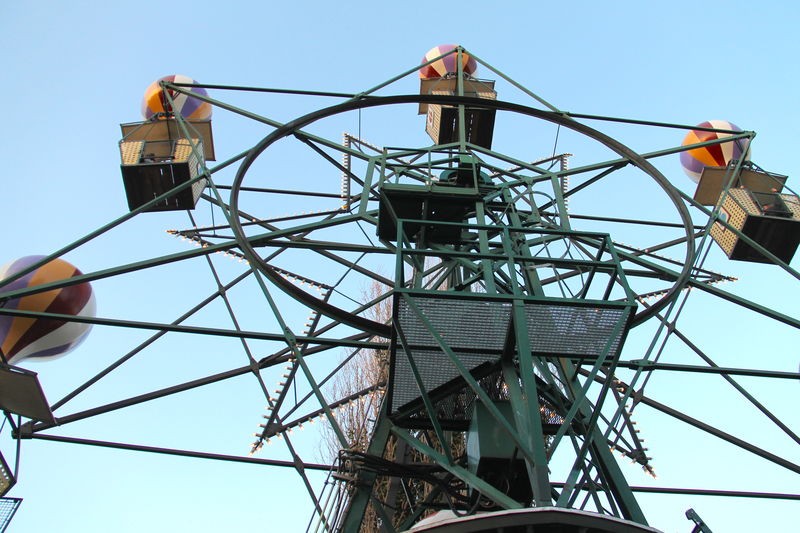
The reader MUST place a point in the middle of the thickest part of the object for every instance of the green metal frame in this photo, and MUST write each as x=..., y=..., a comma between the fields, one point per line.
x=494, y=266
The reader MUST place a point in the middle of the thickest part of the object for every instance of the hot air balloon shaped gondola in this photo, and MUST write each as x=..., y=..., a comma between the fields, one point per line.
x=750, y=199
x=711, y=166
x=441, y=77
x=169, y=148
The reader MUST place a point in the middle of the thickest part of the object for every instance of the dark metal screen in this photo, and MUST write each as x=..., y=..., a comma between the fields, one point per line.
x=476, y=331
x=575, y=331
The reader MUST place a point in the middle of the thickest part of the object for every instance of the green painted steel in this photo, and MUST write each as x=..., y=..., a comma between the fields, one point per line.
x=492, y=256
x=557, y=303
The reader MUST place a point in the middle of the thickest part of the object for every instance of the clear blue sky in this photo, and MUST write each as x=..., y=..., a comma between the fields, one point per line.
x=72, y=72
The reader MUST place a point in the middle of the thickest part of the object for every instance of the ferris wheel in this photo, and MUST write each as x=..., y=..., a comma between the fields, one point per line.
x=486, y=321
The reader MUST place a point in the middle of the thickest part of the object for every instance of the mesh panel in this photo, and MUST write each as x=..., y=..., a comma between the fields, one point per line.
x=183, y=149
x=131, y=152
x=8, y=506
x=475, y=331
x=462, y=323
x=454, y=410
x=435, y=368
x=574, y=331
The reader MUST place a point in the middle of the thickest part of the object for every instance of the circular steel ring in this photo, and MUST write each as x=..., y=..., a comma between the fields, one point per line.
x=557, y=118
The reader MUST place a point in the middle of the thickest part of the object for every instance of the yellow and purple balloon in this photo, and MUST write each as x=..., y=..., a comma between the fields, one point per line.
x=188, y=107
x=41, y=339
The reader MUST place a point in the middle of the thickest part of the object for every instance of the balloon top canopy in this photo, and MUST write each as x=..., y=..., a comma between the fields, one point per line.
x=155, y=101
x=446, y=65
x=715, y=155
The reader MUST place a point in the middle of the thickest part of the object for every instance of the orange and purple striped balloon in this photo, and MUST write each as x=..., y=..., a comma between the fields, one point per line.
x=715, y=155
x=446, y=65
x=154, y=100
x=42, y=339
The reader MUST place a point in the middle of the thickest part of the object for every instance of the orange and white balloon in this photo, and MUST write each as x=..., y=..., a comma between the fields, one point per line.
x=714, y=155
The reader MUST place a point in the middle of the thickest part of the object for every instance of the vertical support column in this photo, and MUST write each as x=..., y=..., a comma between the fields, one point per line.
x=487, y=265
x=365, y=480
x=526, y=410
x=462, y=130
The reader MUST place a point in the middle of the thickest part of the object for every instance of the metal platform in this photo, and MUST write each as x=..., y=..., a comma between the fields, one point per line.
x=474, y=87
x=169, y=129
x=713, y=179
x=21, y=393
